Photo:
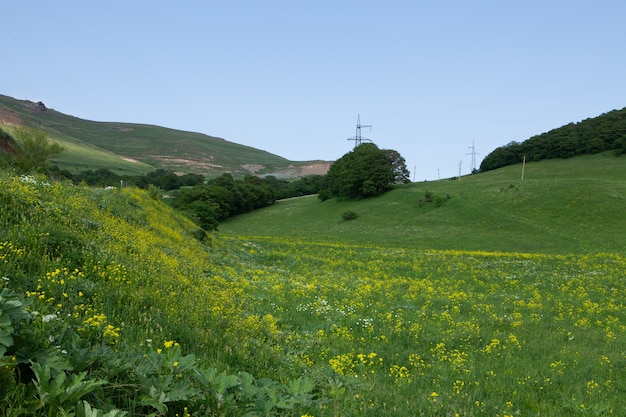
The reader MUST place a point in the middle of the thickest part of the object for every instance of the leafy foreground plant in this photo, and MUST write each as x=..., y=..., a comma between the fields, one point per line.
x=39, y=379
x=87, y=327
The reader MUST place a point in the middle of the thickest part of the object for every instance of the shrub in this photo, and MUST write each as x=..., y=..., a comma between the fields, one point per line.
x=349, y=215
x=438, y=200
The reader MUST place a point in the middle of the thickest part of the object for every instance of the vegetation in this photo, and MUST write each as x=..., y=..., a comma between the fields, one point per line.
x=109, y=306
x=503, y=300
x=33, y=151
x=590, y=136
x=221, y=198
x=366, y=171
x=136, y=149
x=562, y=206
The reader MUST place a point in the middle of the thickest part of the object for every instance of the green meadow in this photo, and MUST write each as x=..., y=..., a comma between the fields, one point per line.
x=561, y=206
x=484, y=296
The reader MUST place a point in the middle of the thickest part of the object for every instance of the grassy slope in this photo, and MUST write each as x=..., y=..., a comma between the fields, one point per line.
x=378, y=330
x=562, y=206
x=105, y=142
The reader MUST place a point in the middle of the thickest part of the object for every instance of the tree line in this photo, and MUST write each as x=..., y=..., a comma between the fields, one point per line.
x=603, y=133
x=366, y=171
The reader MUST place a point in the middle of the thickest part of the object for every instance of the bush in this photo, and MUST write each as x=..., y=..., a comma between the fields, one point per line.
x=438, y=200
x=349, y=215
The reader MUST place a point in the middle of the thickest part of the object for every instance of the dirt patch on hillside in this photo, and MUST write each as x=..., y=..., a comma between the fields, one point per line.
x=196, y=165
x=9, y=117
x=315, y=168
x=252, y=168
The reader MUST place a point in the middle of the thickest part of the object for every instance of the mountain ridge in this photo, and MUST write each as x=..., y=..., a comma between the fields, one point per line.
x=124, y=147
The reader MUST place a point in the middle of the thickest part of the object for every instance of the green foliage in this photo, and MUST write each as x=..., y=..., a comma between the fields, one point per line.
x=7, y=148
x=131, y=315
x=296, y=188
x=397, y=163
x=349, y=215
x=154, y=192
x=221, y=198
x=590, y=136
x=34, y=150
x=79, y=311
x=437, y=200
x=562, y=206
x=363, y=172
x=12, y=310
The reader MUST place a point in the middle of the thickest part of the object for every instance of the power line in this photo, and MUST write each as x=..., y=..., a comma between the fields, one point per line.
x=358, y=138
x=473, y=153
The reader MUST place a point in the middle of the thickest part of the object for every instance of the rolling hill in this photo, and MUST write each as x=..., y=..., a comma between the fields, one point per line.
x=128, y=148
x=571, y=205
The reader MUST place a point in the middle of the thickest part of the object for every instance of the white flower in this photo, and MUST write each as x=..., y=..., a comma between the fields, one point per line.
x=48, y=317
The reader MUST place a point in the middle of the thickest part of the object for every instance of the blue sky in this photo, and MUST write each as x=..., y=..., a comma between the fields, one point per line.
x=290, y=76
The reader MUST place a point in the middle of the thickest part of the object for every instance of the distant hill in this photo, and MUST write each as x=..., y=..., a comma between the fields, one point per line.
x=128, y=148
x=590, y=136
x=573, y=205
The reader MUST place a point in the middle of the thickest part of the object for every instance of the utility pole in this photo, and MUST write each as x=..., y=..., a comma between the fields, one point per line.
x=523, y=167
x=460, y=162
x=358, y=138
x=473, y=153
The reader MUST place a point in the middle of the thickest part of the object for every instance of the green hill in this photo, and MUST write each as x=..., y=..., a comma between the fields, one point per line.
x=587, y=137
x=128, y=148
x=112, y=304
x=562, y=206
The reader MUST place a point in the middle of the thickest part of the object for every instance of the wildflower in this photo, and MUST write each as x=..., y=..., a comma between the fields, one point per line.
x=48, y=317
x=169, y=343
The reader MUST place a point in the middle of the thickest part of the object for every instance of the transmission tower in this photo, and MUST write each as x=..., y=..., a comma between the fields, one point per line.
x=473, y=153
x=358, y=138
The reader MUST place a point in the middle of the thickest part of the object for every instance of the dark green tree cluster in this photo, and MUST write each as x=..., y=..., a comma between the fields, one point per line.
x=283, y=188
x=593, y=135
x=161, y=178
x=221, y=198
x=366, y=171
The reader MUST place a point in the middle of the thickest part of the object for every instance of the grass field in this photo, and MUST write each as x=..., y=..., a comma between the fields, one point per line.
x=561, y=206
x=292, y=311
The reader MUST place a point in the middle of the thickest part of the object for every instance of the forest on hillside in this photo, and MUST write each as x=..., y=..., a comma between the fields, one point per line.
x=589, y=136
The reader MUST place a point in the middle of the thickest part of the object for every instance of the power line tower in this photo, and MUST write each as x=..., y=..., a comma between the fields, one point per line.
x=473, y=153
x=358, y=138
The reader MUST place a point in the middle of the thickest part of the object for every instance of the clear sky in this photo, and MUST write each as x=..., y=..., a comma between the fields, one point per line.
x=291, y=76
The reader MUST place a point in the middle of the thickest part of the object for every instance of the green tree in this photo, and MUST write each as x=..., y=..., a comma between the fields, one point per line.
x=34, y=150
x=397, y=163
x=363, y=172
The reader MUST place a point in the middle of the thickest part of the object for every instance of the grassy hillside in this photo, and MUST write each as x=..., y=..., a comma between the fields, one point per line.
x=128, y=147
x=587, y=137
x=561, y=206
x=109, y=301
